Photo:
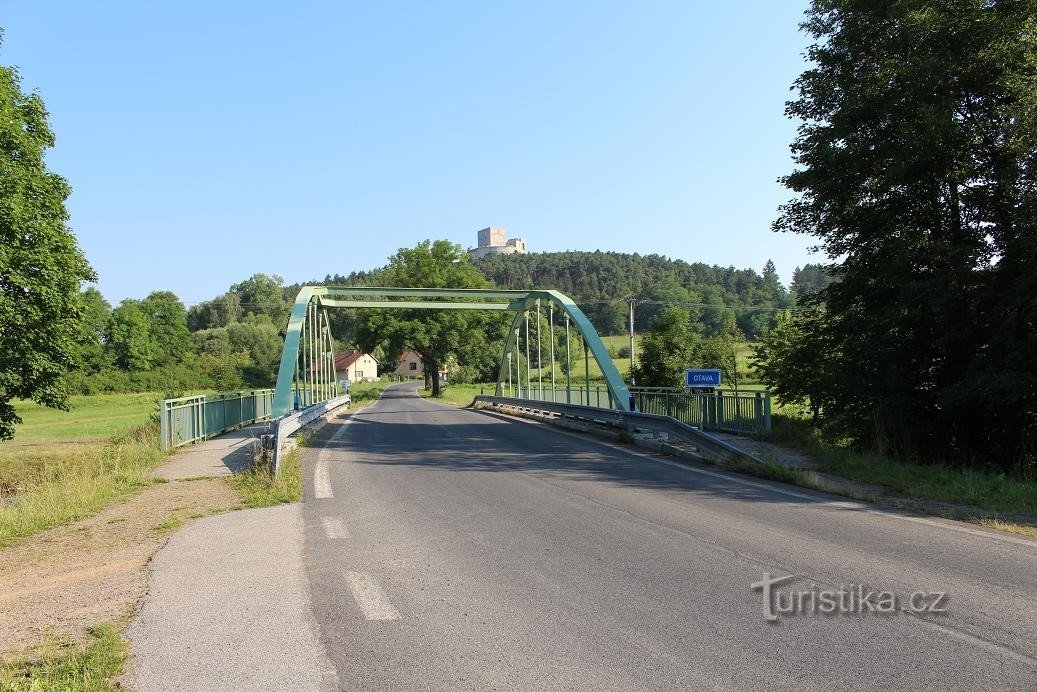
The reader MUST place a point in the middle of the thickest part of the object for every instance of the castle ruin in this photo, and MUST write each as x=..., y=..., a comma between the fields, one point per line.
x=494, y=241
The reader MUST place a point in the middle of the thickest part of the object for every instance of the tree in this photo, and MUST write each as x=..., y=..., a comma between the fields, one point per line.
x=795, y=362
x=667, y=350
x=129, y=338
x=41, y=267
x=212, y=314
x=810, y=278
x=96, y=313
x=917, y=170
x=435, y=334
x=257, y=337
x=264, y=295
x=721, y=351
x=167, y=322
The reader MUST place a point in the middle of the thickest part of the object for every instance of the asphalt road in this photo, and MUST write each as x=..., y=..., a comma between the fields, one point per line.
x=451, y=549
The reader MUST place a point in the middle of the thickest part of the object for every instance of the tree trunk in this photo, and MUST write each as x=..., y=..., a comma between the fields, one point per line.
x=432, y=370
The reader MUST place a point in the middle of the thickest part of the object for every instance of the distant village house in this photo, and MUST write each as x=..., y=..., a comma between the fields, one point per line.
x=412, y=367
x=356, y=367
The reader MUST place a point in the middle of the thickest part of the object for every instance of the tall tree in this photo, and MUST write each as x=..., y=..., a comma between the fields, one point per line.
x=167, y=321
x=437, y=335
x=215, y=313
x=264, y=295
x=129, y=339
x=917, y=169
x=96, y=313
x=810, y=278
x=41, y=267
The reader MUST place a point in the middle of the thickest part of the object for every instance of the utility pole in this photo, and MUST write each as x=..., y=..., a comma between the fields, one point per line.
x=632, y=300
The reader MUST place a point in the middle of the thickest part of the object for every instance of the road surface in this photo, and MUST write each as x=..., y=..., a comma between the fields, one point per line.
x=451, y=549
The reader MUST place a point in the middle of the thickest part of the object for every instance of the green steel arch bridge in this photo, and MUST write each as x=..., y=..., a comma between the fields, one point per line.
x=306, y=375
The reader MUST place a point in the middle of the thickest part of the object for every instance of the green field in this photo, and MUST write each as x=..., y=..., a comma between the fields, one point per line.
x=64, y=465
x=747, y=379
x=89, y=418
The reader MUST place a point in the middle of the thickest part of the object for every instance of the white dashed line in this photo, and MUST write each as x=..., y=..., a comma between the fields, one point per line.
x=369, y=596
x=322, y=480
x=334, y=528
x=321, y=474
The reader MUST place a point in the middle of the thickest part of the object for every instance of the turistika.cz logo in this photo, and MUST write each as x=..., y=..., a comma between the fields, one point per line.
x=848, y=599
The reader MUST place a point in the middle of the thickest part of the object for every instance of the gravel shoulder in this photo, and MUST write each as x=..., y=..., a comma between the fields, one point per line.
x=62, y=581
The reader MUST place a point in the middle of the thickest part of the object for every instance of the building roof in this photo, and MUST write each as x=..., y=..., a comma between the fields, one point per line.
x=346, y=359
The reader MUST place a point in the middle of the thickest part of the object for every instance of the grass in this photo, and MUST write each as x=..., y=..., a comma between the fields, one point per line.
x=97, y=417
x=66, y=665
x=52, y=485
x=169, y=525
x=985, y=490
x=458, y=394
x=363, y=393
x=258, y=488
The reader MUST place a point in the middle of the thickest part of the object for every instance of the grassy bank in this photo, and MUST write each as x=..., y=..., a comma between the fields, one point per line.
x=986, y=490
x=53, y=484
x=258, y=487
x=65, y=665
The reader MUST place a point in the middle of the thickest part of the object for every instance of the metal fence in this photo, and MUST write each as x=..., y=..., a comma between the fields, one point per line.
x=726, y=411
x=192, y=418
x=291, y=423
x=707, y=445
x=578, y=396
x=736, y=412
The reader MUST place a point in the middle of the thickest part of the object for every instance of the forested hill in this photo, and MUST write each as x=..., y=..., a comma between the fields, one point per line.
x=599, y=282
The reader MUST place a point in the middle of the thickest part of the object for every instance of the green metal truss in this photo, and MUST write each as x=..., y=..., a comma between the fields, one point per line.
x=303, y=372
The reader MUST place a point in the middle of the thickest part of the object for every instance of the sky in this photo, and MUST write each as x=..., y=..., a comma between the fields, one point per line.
x=208, y=141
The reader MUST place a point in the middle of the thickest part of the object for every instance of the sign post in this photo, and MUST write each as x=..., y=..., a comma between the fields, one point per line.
x=702, y=378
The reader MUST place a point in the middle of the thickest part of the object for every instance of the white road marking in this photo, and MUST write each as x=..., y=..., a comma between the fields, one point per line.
x=321, y=473
x=334, y=527
x=369, y=596
x=976, y=641
x=322, y=479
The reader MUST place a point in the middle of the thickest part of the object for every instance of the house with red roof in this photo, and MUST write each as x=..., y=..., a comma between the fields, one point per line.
x=411, y=366
x=356, y=367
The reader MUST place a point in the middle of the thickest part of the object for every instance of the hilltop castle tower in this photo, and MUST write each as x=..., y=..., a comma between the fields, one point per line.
x=494, y=241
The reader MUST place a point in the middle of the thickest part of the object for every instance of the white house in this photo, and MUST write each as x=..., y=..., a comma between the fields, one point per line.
x=356, y=367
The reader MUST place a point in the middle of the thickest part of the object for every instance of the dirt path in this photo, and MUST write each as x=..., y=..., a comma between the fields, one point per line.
x=62, y=581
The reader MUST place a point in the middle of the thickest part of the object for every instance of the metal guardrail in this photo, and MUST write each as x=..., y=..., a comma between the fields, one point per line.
x=290, y=424
x=192, y=418
x=735, y=412
x=706, y=443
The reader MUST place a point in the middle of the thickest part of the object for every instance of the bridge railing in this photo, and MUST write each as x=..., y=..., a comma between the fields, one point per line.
x=707, y=445
x=192, y=418
x=744, y=412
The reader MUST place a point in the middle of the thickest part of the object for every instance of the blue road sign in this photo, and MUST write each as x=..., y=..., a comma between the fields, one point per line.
x=701, y=378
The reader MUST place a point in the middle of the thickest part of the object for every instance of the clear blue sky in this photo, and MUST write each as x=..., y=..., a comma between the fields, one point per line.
x=207, y=141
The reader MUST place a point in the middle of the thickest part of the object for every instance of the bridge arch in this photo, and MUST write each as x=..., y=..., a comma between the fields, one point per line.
x=307, y=370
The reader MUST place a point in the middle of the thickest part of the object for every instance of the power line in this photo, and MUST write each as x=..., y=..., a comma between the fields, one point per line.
x=637, y=301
